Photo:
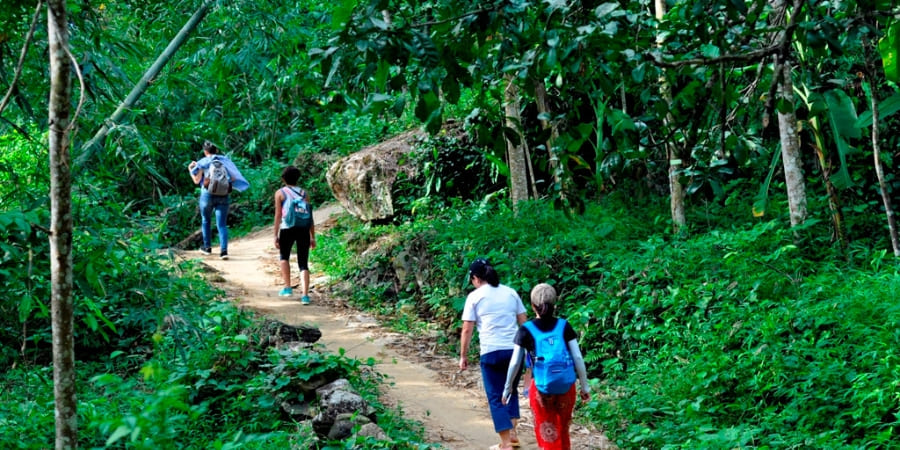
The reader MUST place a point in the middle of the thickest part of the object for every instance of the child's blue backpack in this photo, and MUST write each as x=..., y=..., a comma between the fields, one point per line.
x=554, y=371
x=297, y=212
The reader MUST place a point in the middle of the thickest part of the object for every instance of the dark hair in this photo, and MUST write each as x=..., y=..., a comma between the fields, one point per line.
x=482, y=269
x=290, y=175
x=210, y=148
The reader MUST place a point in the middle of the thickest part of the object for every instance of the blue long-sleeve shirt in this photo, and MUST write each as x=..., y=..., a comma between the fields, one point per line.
x=238, y=182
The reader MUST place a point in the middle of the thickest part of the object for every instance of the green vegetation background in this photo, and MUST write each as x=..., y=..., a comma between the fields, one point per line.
x=741, y=333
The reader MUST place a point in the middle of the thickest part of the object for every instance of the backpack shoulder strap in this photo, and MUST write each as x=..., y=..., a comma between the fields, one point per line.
x=560, y=326
x=532, y=328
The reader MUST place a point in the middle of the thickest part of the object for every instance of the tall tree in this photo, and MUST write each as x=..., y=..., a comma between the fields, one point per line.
x=676, y=190
x=787, y=120
x=61, y=300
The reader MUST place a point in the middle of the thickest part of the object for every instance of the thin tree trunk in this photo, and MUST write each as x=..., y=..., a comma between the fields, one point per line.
x=790, y=151
x=61, y=301
x=794, y=180
x=516, y=153
x=834, y=203
x=879, y=171
x=543, y=106
x=676, y=190
x=90, y=147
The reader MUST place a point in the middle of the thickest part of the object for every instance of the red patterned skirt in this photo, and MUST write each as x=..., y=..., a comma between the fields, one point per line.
x=552, y=417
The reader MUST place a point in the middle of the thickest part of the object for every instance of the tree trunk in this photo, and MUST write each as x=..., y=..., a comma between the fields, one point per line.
x=61, y=302
x=91, y=146
x=556, y=172
x=879, y=172
x=676, y=190
x=787, y=121
x=790, y=150
x=516, y=152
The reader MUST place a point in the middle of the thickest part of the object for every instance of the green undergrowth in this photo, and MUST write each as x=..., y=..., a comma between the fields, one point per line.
x=739, y=337
x=164, y=360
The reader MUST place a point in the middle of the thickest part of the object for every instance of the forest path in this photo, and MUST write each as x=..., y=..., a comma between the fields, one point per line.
x=427, y=386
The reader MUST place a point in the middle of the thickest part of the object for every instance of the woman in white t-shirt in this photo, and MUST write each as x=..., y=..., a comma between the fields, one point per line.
x=497, y=312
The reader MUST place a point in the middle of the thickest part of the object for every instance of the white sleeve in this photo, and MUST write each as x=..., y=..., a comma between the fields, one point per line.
x=580, y=368
x=512, y=375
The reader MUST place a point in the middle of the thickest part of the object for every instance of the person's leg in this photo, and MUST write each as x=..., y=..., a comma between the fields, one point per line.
x=285, y=242
x=303, y=262
x=221, y=209
x=566, y=408
x=205, y=216
x=493, y=373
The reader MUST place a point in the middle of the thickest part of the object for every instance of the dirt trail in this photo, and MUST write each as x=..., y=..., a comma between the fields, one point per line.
x=426, y=386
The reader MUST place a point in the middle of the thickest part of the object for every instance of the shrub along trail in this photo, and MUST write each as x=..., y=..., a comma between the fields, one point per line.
x=425, y=385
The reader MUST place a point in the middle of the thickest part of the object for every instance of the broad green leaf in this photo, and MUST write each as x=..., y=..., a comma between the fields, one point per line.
x=637, y=74
x=342, y=13
x=761, y=201
x=619, y=121
x=842, y=114
x=605, y=9
x=710, y=51
x=886, y=108
x=841, y=117
x=889, y=47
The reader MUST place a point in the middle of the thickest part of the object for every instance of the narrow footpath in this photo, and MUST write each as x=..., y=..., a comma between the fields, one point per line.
x=428, y=387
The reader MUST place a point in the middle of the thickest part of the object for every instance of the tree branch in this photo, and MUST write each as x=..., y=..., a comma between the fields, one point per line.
x=18, y=73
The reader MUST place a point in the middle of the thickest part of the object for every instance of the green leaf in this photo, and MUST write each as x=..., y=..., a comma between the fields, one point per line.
x=637, y=74
x=342, y=13
x=842, y=114
x=605, y=9
x=886, y=108
x=889, y=47
x=120, y=432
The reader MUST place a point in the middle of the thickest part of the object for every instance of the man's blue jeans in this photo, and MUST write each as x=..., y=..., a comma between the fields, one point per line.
x=219, y=204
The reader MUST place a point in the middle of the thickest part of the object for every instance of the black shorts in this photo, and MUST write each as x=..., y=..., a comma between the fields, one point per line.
x=286, y=239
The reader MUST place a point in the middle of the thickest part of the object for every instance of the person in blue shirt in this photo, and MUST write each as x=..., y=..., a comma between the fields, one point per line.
x=215, y=203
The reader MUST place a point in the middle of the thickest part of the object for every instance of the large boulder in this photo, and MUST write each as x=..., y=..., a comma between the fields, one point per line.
x=363, y=181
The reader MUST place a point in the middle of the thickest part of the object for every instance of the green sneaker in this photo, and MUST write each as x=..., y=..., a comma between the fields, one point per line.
x=304, y=300
x=286, y=292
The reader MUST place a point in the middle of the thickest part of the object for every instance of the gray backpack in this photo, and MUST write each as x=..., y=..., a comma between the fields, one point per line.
x=217, y=181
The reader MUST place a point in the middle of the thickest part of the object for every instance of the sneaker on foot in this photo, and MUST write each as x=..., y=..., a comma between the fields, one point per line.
x=223, y=255
x=285, y=292
x=206, y=250
x=304, y=300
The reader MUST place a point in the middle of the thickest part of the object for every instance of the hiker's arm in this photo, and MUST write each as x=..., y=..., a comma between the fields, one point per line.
x=465, y=338
x=312, y=236
x=196, y=174
x=279, y=200
x=580, y=369
x=512, y=374
x=521, y=318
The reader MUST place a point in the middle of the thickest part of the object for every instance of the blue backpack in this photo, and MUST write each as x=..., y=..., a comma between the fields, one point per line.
x=297, y=212
x=554, y=370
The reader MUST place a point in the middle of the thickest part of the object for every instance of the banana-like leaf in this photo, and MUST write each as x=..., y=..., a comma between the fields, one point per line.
x=842, y=118
x=761, y=201
x=887, y=107
x=889, y=47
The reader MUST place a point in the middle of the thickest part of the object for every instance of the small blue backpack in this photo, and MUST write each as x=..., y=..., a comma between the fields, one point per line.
x=554, y=370
x=297, y=213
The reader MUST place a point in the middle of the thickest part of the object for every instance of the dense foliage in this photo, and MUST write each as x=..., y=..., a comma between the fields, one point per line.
x=742, y=334
x=730, y=339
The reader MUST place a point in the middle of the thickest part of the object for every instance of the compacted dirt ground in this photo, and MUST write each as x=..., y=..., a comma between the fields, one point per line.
x=428, y=387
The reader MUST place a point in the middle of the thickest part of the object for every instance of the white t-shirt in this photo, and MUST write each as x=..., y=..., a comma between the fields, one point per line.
x=494, y=311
